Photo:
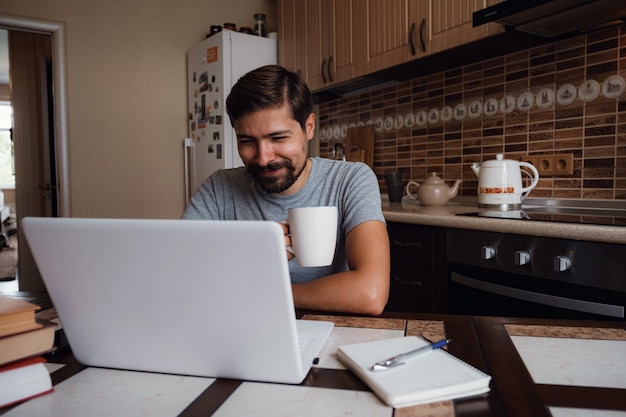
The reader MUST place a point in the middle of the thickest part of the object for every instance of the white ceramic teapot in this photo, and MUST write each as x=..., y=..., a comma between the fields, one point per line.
x=433, y=192
x=500, y=183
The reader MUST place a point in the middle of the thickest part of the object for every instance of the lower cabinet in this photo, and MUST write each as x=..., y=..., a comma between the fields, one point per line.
x=418, y=268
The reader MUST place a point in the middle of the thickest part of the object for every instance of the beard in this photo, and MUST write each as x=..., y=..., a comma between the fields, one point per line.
x=277, y=183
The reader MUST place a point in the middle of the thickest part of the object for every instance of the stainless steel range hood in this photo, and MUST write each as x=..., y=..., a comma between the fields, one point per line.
x=553, y=18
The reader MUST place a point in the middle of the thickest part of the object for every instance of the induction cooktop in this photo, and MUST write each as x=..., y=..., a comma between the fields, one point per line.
x=579, y=215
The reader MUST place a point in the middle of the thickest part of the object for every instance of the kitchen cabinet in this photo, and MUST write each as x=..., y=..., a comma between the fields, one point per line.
x=292, y=36
x=451, y=23
x=329, y=42
x=332, y=41
x=418, y=268
x=397, y=32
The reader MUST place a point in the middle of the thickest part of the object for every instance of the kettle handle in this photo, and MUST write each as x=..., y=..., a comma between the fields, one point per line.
x=526, y=190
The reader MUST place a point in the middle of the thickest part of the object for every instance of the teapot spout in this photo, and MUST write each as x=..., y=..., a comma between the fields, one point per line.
x=455, y=189
x=476, y=168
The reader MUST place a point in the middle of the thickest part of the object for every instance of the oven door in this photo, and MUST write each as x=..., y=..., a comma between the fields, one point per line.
x=479, y=291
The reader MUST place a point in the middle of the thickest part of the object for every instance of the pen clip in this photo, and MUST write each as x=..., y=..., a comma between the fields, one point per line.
x=401, y=359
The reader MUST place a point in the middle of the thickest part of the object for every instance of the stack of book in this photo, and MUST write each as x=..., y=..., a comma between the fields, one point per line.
x=23, y=341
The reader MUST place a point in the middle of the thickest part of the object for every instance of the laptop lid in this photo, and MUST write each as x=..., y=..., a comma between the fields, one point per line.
x=192, y=297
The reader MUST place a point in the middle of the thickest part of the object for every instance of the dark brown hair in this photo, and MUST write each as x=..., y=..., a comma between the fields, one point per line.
x=270, y=87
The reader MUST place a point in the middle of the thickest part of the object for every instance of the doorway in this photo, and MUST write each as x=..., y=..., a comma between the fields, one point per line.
x=41, y=148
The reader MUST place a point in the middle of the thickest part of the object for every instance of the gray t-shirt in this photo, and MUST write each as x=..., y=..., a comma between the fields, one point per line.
x=232, y=194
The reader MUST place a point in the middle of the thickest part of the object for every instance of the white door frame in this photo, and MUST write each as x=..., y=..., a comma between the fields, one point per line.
x=57, y=30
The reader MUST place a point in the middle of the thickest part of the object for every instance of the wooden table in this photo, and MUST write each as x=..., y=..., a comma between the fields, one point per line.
x=484, y=342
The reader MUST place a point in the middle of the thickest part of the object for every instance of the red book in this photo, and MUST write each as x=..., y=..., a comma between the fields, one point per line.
x=24, y=380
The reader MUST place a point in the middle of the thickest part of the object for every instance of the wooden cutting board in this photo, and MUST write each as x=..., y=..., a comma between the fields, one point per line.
x=360, y=144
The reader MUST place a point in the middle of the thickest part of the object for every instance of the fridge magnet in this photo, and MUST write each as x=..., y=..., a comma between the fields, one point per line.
x=216, y=104
x=218, y=119
x=192, y=126
x=211, y=120
x=216, y=135
x=211, y=55
x=203, y=82
x=210, y=149
x=218, y=151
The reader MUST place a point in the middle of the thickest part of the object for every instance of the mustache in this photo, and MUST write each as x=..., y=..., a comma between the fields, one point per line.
x=272, y=166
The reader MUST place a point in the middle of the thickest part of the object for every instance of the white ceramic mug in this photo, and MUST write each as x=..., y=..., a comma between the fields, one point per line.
x=313, y=233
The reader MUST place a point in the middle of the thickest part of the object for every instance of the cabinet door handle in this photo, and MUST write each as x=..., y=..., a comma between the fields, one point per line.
x=411, y=43
x=330, y=73
x=422, y=28
x=323, y=66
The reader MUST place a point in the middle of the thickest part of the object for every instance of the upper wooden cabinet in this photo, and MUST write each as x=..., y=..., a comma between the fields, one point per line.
x=396, y=31
x=451, y=23
x=331, y=41
x=292, y=36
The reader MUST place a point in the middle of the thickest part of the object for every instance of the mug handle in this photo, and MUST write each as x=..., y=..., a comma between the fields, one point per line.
x=408, y=189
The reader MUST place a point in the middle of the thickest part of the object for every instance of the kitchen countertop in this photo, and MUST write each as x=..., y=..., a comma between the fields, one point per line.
x=410, y=211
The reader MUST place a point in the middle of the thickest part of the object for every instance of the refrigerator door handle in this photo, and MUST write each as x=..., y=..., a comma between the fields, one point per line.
x=188, y=149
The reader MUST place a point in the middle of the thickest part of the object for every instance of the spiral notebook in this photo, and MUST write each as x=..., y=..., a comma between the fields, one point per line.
x=435, y=376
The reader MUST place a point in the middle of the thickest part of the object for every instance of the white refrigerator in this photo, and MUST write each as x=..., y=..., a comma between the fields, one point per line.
x=213, y=66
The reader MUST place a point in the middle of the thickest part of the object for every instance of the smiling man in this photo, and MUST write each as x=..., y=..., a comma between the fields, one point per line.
x=271, y=111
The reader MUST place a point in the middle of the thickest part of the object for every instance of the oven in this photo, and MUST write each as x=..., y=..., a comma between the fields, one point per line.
x=501, y=274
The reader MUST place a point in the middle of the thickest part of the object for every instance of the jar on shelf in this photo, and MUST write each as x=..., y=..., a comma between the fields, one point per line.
x=230, y=26
x=259, y=24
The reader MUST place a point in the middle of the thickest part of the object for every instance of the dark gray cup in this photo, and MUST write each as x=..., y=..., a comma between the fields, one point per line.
x=395, y=186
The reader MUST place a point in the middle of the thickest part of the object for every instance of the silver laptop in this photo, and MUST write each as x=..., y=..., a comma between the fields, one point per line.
x=204, y=298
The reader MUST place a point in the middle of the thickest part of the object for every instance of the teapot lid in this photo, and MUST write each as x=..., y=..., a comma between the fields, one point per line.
x=433, y=179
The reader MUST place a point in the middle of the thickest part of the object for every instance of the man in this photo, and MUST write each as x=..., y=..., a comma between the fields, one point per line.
x=271, y=111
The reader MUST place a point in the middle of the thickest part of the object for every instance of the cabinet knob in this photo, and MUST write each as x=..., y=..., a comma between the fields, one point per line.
x=487, y=252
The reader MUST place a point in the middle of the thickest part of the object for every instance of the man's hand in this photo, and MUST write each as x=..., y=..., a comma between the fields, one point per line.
x=289, y=249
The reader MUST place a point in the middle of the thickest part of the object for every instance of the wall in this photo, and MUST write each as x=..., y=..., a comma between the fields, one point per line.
x=127, y=96
x=593, y=130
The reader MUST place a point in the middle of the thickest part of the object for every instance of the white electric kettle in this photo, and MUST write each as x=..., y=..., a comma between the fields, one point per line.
x=500, y=183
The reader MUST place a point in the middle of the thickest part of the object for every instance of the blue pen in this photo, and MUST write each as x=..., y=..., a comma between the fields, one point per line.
x=404, y=357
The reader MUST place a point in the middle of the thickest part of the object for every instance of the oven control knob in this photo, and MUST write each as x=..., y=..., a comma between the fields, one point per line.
x=487, y=252
x=562, y=263
x=522, y=257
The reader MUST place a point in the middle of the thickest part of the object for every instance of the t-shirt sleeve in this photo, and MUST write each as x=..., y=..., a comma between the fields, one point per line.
x=203, y=204
x=361, y=199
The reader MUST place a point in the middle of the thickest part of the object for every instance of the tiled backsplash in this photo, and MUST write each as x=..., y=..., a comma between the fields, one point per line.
x=561, y=97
